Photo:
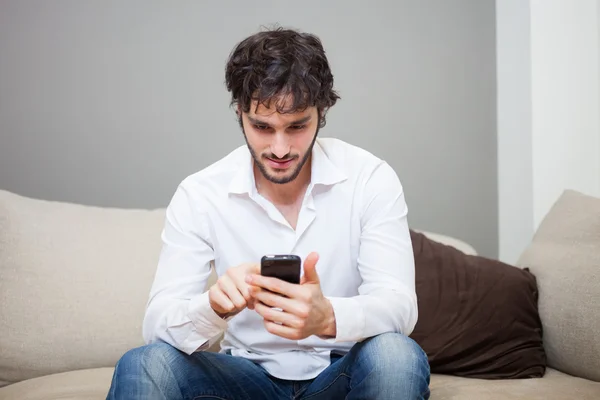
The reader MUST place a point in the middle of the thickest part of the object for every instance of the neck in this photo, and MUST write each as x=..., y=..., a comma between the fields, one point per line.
x=286, y=193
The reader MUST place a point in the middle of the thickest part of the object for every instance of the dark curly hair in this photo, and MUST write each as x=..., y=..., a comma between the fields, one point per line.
x=275, y=64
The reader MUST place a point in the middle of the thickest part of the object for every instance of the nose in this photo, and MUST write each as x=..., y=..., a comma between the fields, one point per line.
x=280, y=147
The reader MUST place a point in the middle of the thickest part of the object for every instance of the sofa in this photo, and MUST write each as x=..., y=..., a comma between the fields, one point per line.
x=74, y=281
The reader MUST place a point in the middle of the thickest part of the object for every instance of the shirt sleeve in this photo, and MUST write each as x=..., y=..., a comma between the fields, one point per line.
x=387, y=300
x=178, y=311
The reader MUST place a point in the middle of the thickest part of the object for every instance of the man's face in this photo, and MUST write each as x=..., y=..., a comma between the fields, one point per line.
x=280, y=143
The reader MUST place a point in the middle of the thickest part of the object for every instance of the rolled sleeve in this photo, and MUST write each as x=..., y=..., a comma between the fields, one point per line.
x=204, y=318
x=349, y=319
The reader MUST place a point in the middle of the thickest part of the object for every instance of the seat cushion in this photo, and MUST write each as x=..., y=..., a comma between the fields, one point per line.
x=87, y=384
x=553, y=386
x=94, y=384
x=74, y=282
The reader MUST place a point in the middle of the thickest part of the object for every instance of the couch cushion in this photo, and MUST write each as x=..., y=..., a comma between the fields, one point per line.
x=565, y=257
x=553, y=386
x=88, y=384
x=478, y=317
x=95, y=383
x=74, y=281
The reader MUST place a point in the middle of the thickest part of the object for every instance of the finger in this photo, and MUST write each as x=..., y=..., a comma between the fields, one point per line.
x=253, y=292
x=310, y=269
x=220, y=301
x=230, y=289
x=237, y=276
x=283, y=331
x=242, y=287
x=253, y=268
x=288, y=305
x=273, y=284
x=277, y=316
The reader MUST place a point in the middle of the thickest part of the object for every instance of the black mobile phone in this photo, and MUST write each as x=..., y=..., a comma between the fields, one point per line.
x=283, y=266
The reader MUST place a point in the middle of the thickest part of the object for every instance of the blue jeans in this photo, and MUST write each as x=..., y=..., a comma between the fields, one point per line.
x=387, y=366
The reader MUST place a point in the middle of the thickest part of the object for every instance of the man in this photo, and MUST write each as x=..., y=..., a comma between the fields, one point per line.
x=343, y=331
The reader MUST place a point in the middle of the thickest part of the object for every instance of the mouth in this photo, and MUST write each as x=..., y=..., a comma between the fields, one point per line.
x=279, y=164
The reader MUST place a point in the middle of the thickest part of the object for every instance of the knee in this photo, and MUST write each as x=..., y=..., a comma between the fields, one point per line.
x=393, y=353
x=150, y=360
x=391, y=366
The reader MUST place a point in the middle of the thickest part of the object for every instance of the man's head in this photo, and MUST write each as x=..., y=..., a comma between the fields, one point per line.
x=282, y=86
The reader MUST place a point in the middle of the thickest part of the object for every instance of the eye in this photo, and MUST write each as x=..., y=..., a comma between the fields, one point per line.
x=261, y=127
x=297, y=127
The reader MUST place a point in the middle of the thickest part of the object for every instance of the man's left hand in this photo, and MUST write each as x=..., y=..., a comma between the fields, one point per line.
x=304, y=309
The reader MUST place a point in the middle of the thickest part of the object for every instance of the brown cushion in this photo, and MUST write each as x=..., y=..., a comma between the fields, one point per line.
x=477, y=317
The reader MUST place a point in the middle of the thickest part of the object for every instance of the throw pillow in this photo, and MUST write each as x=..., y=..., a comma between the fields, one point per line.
x=478, y=317
x=565, y=257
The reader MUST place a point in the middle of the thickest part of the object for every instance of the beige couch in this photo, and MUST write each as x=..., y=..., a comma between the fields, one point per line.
x=74, y=281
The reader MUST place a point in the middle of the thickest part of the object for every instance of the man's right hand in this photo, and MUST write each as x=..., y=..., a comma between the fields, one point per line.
x=230, y=294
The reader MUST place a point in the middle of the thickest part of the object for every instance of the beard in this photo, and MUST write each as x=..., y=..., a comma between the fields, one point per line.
x=280, y=180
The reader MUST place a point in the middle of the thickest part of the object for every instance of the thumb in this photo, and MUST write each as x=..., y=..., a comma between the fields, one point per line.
x=310, y=269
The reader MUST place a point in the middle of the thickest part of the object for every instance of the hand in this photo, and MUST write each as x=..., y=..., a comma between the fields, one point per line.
x=304, y=309
x=230, y=294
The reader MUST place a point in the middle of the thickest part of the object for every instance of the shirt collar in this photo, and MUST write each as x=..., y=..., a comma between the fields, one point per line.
x=243, y=179
x=323, y=171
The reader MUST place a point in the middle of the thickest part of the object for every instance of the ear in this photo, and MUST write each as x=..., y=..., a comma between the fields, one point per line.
x=238, y=112
x=321, y=116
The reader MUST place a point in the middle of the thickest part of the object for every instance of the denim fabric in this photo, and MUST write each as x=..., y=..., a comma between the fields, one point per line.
x=387, y=366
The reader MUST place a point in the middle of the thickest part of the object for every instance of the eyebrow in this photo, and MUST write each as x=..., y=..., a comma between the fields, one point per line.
x=297, y=122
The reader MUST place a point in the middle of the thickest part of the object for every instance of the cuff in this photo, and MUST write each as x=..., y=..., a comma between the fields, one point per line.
x=206, y=321
x=349, y=319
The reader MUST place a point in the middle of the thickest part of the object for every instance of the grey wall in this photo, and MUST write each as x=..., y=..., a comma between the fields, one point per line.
x=112, y=103
x=514, y=120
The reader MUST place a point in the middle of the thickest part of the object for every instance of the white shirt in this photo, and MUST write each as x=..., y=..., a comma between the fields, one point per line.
x=353, y=214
